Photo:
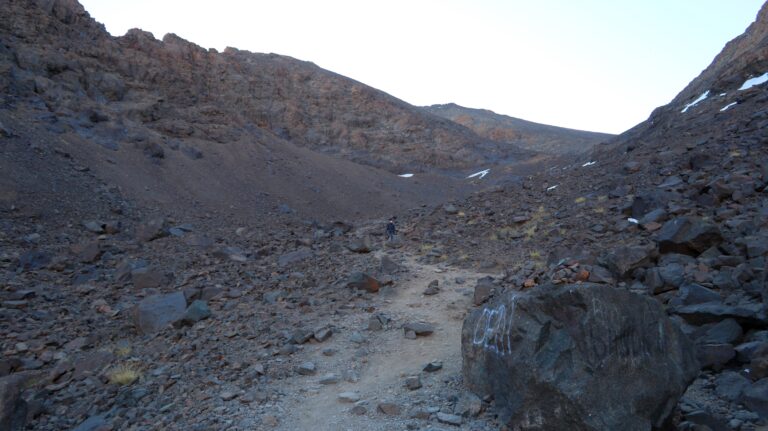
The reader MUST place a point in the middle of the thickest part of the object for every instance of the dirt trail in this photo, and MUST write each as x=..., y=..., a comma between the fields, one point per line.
x=386, y=357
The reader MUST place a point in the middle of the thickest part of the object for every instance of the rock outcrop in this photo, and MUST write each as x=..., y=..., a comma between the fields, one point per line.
x=585, y=357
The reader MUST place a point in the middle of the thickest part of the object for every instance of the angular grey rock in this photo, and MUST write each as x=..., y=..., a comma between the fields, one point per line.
x=756, y=397
x=621, y=261
x=731, y=385
x=750, y=313
x=388, y=266
x=306, y=368
x=448, y=418
x=727, y=331
x=13, y=408
x=196, y=312
x=554, y=355
x=151, y=230
x=468, y=405
x=390, y=409
x=692, y=293
x=433, y=366
x=156, y=312
x=688, y=235
x=323, y=334
x=294, y=257
x=483, y=290
x=419, y=328
x=360, y=245
x=93, y=423
x=329, y=379
x=714, y=356
x=433, y=288
x=413, y=382
x=148, y=278
x=361, y=281
x=349, y=397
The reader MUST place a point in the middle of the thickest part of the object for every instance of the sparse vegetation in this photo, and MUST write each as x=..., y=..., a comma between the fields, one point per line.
x=124, y=374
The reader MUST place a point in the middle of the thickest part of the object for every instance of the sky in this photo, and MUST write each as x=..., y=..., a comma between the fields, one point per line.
x=599, y=65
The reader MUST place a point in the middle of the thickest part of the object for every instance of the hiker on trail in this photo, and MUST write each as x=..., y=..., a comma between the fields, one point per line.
x=391, y=230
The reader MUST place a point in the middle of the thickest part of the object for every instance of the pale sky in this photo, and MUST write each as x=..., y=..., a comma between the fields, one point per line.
x=600, y=65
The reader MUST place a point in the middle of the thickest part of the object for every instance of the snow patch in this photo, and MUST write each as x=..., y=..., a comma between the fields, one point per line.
x=480, y=174
x=751, y=82
x=405, y=175
x=633, y=220
x=552, y=187
x=728, y=106
x=695, y=102
x=723, y=94
x=588, y=164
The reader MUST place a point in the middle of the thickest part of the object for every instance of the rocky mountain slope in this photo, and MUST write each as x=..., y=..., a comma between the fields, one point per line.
x=521, y=133
x=674, y=209
x=143, y=286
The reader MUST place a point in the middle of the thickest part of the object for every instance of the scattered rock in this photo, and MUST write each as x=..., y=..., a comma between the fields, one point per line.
x=413, y=382
x=433, y=288
x=306, y=368
x=361, y=281
x=688, y=235
x=390, y=409
x=158, y=311
x=433, y=366
x=349, y=397
x=450, y=419
x=419, y=328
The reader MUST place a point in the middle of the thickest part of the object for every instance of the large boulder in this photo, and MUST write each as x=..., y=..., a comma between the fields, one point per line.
x=157, y=311
x=577, y=357
x=13, y=408
x=688, y=235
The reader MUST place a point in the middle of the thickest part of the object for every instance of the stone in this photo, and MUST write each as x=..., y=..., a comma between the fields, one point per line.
x=468, y=405
x=433, y=288
x=688, y=235
x=568, y=351
x=419, y=328
x=714, y=356
x=301, y=336
x=329, y=379
x=34, y=259
x=413, y=382
x=672, y=275
x=360, y=245
x=13, y=408
x=388, y=266
x=358, y=410
x=750, y=313
x=731, y=385
x=323, y=334
x=148, y=278
x=151, y=230
x=748, y=351
x=692, y=293
x=156, y=312
x=483, y=290
x=433, y=366
x=622, y=261
x=727, y=331
x=755, y=397
x=294, y=257
x=89, y=252
x=450, y=209
x=349, y=397
x=228, y=395
x=306, y=368
x=450, y=419
x=357, y=338
x=706, y=421
x=93, y=423
x=362, y=281
x=390, y=409
x=196, y=312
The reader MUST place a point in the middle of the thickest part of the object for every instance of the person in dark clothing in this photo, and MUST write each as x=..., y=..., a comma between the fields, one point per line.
x=391, y=229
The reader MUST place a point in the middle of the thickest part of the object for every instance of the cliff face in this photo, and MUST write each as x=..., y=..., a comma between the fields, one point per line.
x=178, y=90
x=521, y=133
